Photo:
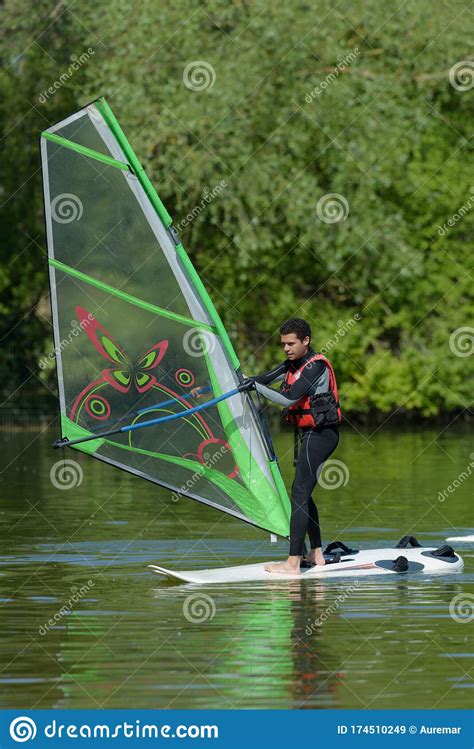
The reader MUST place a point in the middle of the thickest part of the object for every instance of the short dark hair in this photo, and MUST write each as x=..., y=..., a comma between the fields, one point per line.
x=297, y=326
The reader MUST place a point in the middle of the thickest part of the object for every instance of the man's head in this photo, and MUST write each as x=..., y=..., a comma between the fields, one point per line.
x=295, y=338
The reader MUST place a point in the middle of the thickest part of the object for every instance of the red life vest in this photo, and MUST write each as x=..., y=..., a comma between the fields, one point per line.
x=301, y=414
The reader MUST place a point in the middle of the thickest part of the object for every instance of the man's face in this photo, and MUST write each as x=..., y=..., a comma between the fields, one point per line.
x=293, y=347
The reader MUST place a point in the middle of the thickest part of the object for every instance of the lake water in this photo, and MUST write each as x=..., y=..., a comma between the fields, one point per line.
x=84, y=624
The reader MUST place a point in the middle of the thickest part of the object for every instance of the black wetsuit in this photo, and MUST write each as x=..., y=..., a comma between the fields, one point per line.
x=317, y=444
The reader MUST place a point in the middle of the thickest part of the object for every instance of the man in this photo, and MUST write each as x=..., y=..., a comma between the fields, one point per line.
x=309, y=394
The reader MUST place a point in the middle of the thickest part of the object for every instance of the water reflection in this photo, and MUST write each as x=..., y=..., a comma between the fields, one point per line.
x=381, y=643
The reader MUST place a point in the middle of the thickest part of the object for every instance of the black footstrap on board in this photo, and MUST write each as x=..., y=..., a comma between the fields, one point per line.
x=340, y=547
x=336, y=558
x=400, y=564
x=443, y=551
x=408, y=541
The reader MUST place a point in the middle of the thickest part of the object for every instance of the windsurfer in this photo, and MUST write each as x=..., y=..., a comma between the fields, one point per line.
x=309, y=394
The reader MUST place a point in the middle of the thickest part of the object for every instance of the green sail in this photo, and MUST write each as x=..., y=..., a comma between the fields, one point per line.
x=135, y=329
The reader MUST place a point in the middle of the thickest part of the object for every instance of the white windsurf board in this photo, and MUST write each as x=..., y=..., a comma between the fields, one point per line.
x=358, y=564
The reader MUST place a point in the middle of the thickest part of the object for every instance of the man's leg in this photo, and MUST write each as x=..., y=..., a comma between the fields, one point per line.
x=321, y=444
x=314, y=529
x=301, y=489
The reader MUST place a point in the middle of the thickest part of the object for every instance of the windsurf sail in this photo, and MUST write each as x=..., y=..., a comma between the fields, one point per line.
x=135, y=331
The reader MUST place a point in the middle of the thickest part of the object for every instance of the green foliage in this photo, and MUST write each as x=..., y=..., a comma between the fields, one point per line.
x=386, y=130
x=35, y=45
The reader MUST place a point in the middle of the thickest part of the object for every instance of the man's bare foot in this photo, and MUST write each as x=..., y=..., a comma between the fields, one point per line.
x=290, y=567
x=316, y=557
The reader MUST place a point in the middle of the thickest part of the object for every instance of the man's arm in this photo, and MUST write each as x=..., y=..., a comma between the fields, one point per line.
x=301, y=387
x=274, y=374
x=275, y=395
